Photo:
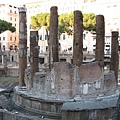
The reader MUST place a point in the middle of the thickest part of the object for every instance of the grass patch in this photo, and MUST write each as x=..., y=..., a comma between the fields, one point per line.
x=8, y=79
x=119, y=73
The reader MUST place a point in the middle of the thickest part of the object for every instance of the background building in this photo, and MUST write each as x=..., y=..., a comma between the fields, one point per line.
x=108, y=8
x=8, y=39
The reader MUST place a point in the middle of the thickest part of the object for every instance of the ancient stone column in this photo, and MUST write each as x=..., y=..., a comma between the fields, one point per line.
x=100, y=34
x=22, y=45
x=33, y=54
x=53, y=38
x=114, y=61
x=78, y=38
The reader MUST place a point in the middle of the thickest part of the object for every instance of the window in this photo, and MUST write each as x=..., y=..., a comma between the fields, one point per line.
x=15, y=25
x=39, y=37
x=0, y=38
x=63, y=36
x=15, y=38
x=58, y=37
x=10, y=18
x=11, y=47
x=15, y=47
x=46, y=48
x=3, y=38
x=3, y=47
x=15, y=12
x=84, y=35
x=46, y=37
x=10, y=11
x=114, y=5
x=11, y=38
x=107, y=46
x=39, y=48
x=15, y=19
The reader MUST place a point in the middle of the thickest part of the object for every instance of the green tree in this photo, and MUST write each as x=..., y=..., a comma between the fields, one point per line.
x=4, y=25
x=65, y=22
x=40, y=20
x=89, y=21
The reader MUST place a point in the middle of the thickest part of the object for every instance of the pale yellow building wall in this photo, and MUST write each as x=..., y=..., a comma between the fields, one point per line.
x=10, y=14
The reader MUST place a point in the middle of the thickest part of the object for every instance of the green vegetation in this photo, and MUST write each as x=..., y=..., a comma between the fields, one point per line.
x=119, y=73
x=4, y=25
x=89, y=21
x=65, y=22
x=40, y=20
x=5, y=81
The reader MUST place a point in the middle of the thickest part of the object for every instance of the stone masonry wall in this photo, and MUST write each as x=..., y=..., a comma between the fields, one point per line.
x=2, y=71
x=88, y=114
x=13, y=72
x=5, y=115
x=67, y=82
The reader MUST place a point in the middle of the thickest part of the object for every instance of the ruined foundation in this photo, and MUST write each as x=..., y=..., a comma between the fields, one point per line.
x=71, y=91
x=59, y=93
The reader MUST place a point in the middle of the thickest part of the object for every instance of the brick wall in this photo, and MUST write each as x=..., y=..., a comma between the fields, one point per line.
x=66, y=81
x=13, y=71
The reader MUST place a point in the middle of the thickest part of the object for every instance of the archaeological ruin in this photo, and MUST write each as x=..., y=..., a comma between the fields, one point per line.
x=61, y=90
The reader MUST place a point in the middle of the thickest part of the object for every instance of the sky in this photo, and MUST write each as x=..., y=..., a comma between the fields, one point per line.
x=16, y=2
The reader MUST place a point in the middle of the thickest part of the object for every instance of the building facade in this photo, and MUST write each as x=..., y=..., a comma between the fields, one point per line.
x=108, y=8
x=9, y=40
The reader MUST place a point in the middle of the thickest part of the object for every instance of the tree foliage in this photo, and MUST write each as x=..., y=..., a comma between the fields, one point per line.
x=89, y=21
x=66, y=22
x=4, y=25
x=40, y=20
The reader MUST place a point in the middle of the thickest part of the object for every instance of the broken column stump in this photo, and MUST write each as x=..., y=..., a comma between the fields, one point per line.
x=22, y=45
x=53, y=38
x=100, y=34
x=33, y=54
x=78, y=38
x=114, y=61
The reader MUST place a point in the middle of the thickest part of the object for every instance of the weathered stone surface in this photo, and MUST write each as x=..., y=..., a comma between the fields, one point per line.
x=3, y=102
x=110, y=81
x=31, y=102
x=13, y=72
x=6, y=115
x=67, y=82
x=94, y=109
x=53, y=39
x=2, y=71
x=105, y=114
x=116, y=115
x=100, y=34
x=114, y=61
x=22, y=45
x=78, y=38
x=33, y=55
x=27, y=78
